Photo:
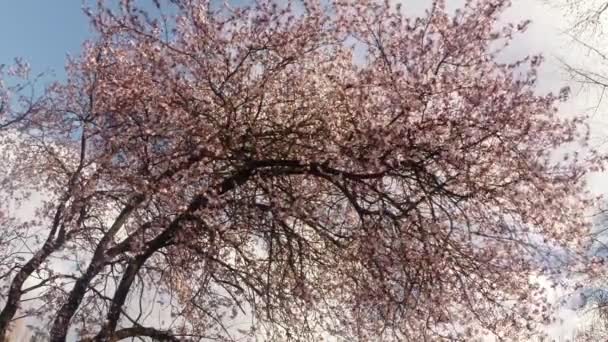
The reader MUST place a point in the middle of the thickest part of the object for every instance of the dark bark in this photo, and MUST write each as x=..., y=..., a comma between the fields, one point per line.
x=165, y=238
x=55, y=240
x=61, y=323
x=14, y=294
x=15, y=291
x=139, y=331
x=158, y=335
x=162, y=240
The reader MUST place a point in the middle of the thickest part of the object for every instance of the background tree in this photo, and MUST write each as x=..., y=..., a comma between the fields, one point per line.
x=296, y=171
x=586, y=26
x=597, y=328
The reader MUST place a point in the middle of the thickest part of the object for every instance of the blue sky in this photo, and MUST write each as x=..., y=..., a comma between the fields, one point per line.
x=42, y=32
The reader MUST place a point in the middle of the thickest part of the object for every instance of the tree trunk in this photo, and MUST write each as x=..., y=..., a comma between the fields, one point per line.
x=14, y=294
x=61, y=324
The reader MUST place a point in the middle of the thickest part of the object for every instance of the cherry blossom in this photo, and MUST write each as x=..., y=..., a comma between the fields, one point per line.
x=297, y=171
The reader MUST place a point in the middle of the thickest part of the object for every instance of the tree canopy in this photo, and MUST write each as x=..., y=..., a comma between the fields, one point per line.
x=289, y=171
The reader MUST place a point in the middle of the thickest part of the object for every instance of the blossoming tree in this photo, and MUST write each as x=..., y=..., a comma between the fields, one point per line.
x=293, y=171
